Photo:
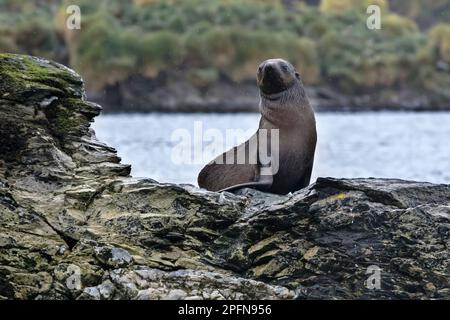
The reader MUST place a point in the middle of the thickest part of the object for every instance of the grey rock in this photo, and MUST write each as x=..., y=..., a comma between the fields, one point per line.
x=113, y=257
x=75, y=225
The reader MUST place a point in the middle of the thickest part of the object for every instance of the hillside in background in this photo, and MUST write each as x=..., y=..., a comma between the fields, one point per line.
x=193, y=55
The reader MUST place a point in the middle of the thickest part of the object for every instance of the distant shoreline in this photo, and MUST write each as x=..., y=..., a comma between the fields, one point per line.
x=142, y=95
x=340, y=111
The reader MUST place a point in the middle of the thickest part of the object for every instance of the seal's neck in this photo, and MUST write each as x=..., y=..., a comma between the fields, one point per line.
x=284, y=107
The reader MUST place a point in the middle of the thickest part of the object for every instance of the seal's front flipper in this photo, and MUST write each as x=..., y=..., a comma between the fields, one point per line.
x=264, y=183
x=218, y=175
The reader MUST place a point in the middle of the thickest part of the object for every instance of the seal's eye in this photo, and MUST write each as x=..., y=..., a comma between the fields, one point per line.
x=259, y=69
x=284, y=68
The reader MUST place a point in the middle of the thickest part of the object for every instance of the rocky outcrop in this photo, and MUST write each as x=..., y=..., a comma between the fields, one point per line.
x=75, y=225
x=175, y=93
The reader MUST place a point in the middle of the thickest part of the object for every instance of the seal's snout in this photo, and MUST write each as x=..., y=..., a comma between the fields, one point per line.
x=274, y=76
x=270, y=73
x=269, y=69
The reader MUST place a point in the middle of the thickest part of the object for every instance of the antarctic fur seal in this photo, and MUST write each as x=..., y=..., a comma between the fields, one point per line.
x=285, y=113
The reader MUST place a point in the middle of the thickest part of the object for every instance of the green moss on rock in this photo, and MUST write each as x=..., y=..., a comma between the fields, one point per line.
x=31, y=79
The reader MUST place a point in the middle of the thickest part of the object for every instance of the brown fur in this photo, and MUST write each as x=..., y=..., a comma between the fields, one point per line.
x=283, y=106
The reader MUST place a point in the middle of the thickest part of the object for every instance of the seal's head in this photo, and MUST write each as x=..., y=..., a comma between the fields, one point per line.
x=275, y=76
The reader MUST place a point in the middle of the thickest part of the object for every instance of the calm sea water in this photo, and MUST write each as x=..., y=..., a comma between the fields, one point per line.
x=413, y=146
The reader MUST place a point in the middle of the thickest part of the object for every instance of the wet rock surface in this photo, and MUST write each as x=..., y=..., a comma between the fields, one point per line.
x=75, y=225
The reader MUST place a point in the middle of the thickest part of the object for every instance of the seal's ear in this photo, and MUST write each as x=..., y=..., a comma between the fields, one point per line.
x=297, y=75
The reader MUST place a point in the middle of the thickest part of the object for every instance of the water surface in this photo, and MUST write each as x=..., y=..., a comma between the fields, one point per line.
x=413, y=146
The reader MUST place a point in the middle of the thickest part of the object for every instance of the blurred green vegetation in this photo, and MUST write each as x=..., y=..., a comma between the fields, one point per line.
x=208, y=40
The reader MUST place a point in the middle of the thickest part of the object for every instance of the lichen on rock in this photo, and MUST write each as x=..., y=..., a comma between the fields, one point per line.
x=75, y=225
